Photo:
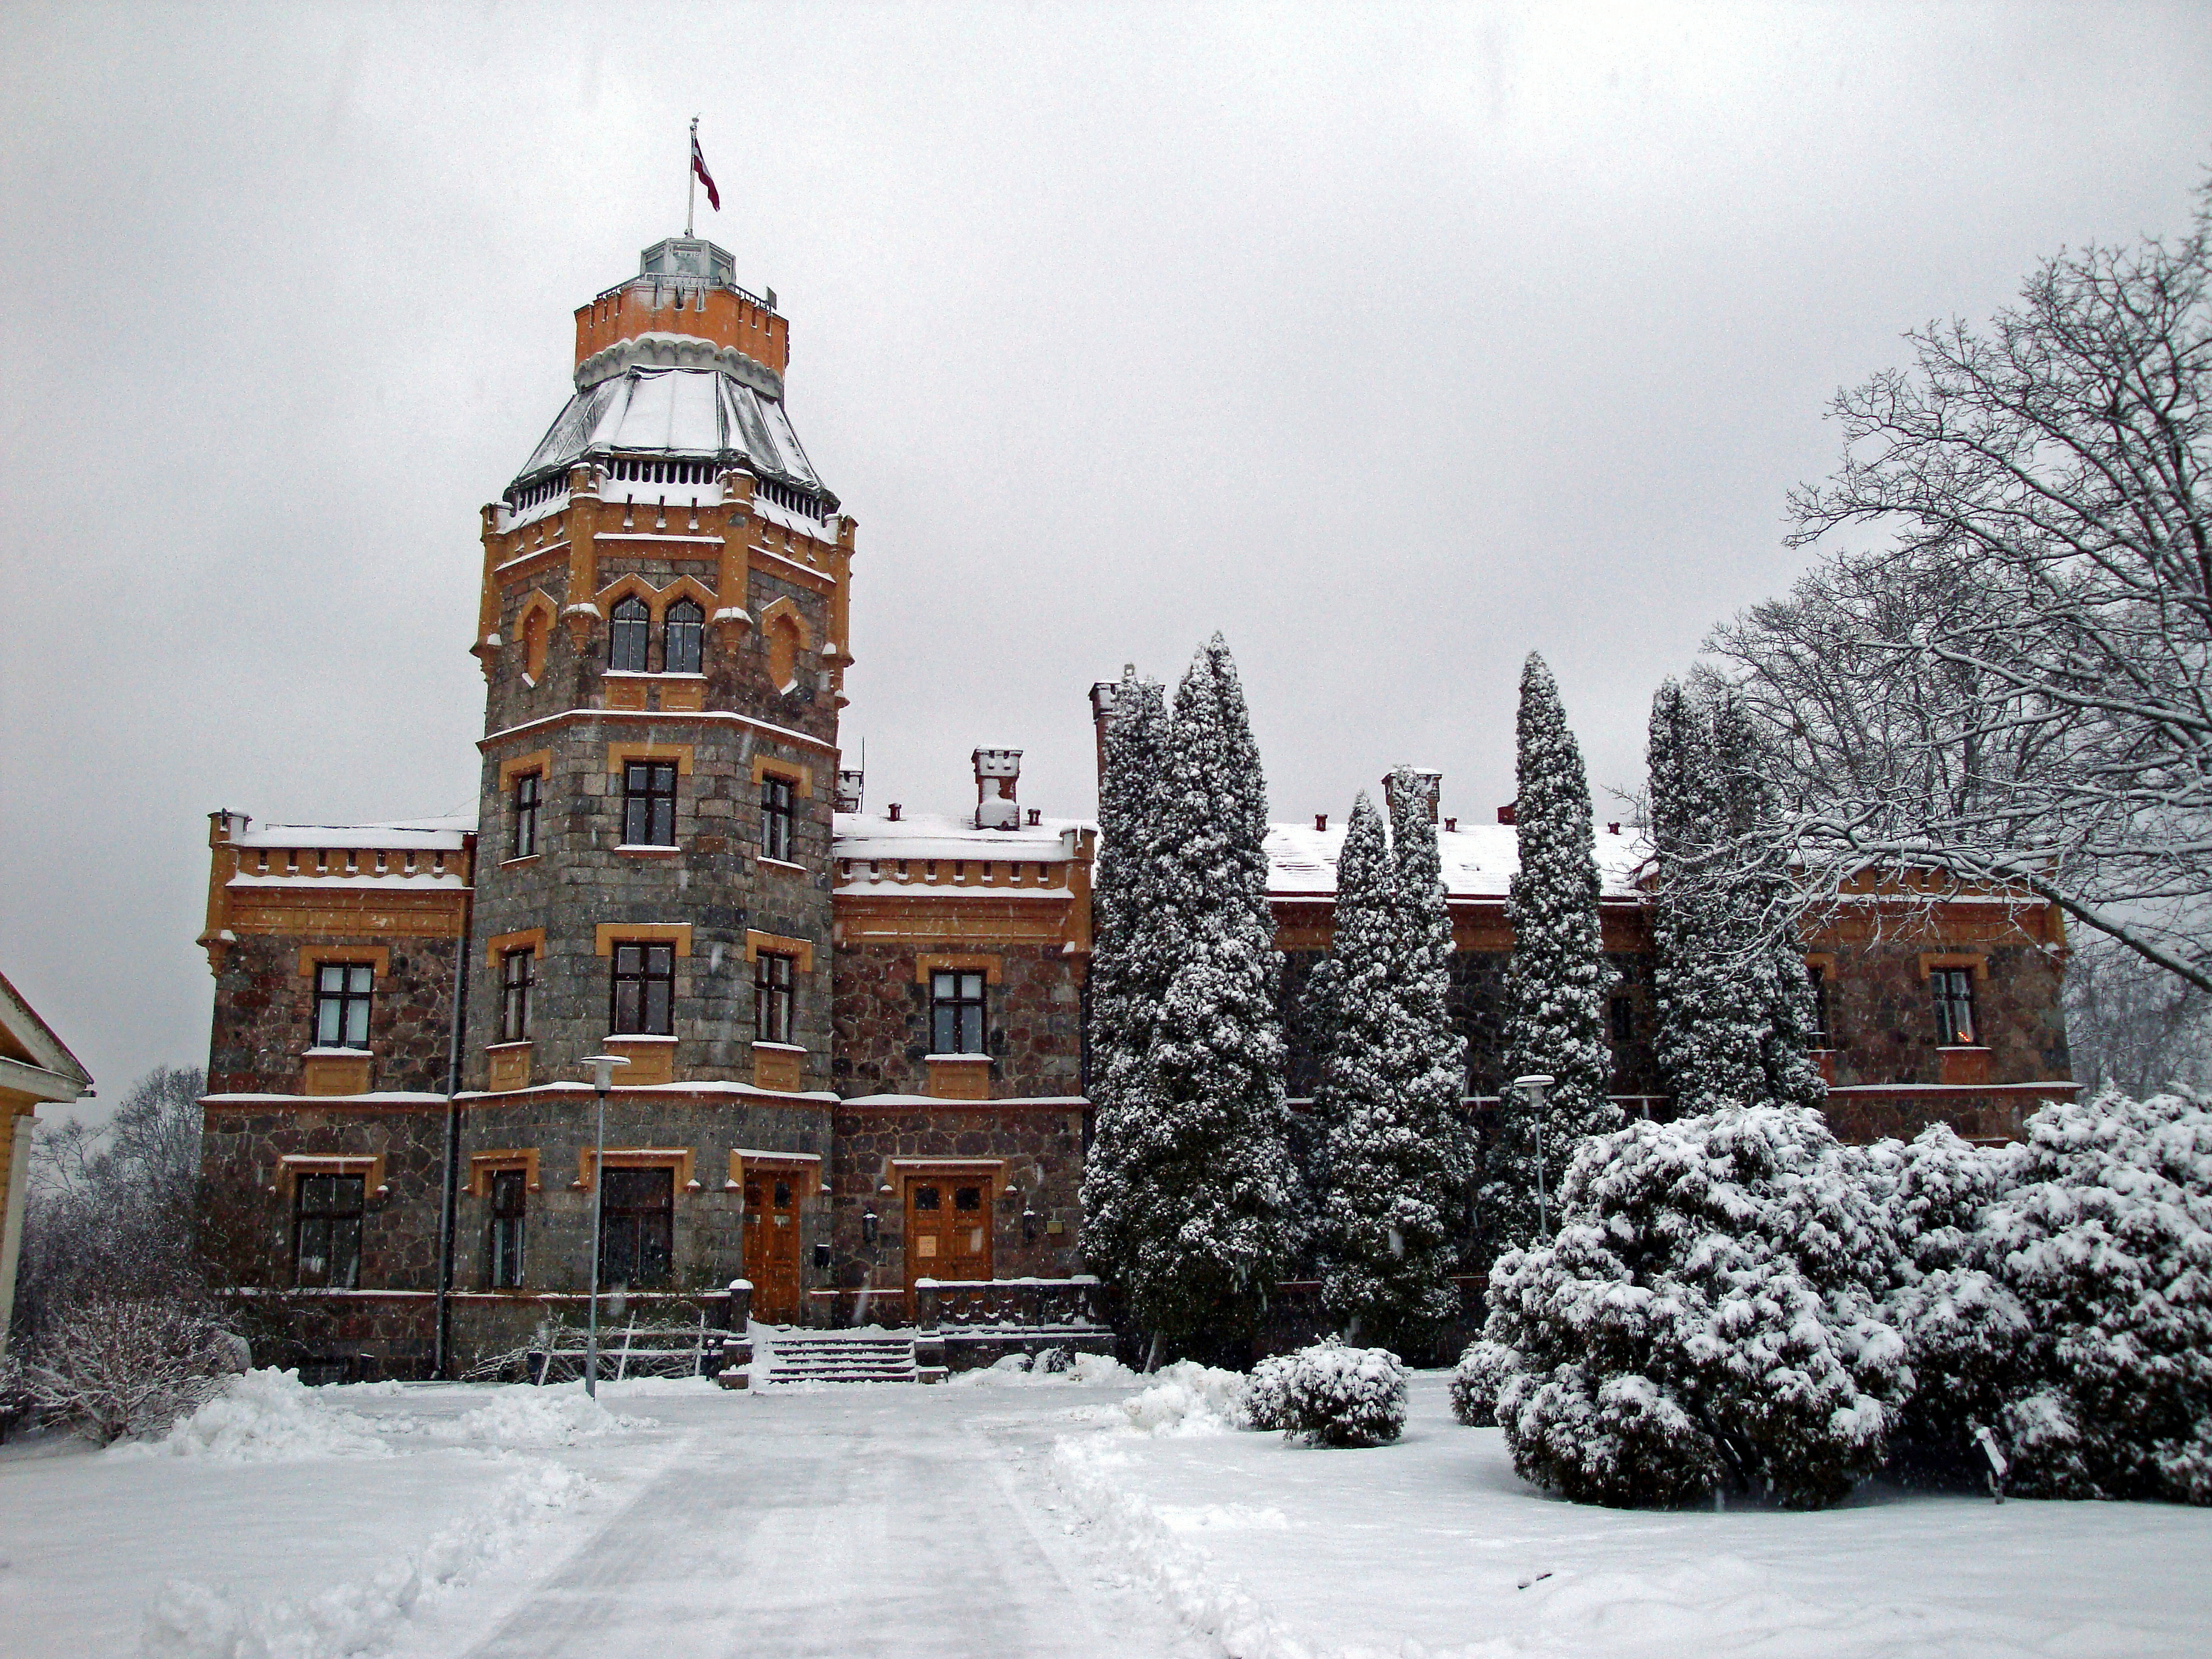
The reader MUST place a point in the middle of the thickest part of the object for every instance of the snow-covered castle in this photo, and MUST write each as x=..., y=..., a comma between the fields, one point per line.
x=854, y=1040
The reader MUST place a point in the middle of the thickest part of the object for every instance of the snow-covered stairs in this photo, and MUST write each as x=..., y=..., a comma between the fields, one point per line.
x=806, y=1356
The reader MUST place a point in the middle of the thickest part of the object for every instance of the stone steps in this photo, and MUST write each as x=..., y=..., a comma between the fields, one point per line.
x=836, y=1356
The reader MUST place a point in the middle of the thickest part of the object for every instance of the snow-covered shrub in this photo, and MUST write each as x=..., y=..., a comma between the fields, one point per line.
x=1188, y=1398
x=1052, y=1361
x=110, y=1369
x=1336, y=1395
x=1481, y=1371
x=1710, y=1309
x=2105, y=1243
x=1268, y=1392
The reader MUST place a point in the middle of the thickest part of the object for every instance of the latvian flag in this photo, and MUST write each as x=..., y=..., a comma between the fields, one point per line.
x=699, y=168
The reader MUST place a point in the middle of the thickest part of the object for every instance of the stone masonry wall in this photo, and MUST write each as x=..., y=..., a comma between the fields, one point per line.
x=1033, y=1024
x=1882, y=1014
x=264, y=1014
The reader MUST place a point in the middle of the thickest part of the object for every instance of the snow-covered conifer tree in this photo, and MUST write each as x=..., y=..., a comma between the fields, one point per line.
x=1132, y=956
x=1209, y=1213
x=1389, y=1101
x=1556, y=984
x=1709, y=1041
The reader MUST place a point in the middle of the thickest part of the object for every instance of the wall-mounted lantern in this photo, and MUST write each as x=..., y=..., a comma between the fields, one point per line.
x=868, y=1227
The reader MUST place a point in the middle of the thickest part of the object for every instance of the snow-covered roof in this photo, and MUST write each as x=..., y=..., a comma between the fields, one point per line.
x=942, y=835
x=1479, y=862
x=701, y=412
x=440, y=835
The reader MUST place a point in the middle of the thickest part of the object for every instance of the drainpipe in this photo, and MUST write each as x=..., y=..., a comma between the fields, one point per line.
x=450, y=1199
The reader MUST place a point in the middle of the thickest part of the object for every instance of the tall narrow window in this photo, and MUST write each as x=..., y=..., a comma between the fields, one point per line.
x=679, y=651
x=510, y=1201
x=529, y=794
x=1622, y=1011
x=649, y=803
x=645, y=990
x=775, y=819
x=326, y=1231
x=1822, y=1033
x=342, y=994
x=518, y=985
x=772, y=997
x=637, y=1213
x=1954, y=1006
x=956, y=1012
x=629, y=633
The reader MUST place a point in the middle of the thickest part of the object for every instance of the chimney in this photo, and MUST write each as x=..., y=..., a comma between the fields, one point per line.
x=848, y=790
x=997, y=772
x=1451, y=826
x=1321, y=820
x=1505, y=814
x=1430, y=784
x=895, y=811
x=1611, y=828
x=1102, y=710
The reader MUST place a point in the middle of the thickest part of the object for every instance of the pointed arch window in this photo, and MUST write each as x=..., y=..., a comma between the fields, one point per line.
x=680, y=639
x=628, y=638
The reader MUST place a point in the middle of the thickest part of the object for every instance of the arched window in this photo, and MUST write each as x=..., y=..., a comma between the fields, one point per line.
x=680, y=645
x=626, y=639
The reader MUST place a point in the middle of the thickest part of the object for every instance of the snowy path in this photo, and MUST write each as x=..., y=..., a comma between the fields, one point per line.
x=882, y=1521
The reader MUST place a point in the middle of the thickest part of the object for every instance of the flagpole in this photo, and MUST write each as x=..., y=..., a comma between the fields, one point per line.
x=691, y=180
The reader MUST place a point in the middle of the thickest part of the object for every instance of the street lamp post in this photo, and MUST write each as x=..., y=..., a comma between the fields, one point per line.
x=1532, y=1088
x=603, y=1071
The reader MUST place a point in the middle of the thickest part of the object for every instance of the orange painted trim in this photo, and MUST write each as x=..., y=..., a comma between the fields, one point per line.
x=775, y=944
x=928, y=961
x=485, y=1165
x=293, y=1166
x=617, y=753
x=800, y=776
x=611, y=933
x=539, y=761
x=313, y=957
x=678, y=1158
x=530, y=938
x=806, y=1163
x=1931, y=960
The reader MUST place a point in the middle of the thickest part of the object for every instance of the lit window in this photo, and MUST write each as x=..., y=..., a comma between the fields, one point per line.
x=644, y=990
x=775, y=819
x=772, y=999
x=956, y=1012
x=628, y=638
x=341, y=994
x=681, y=638
x=649, y=803
x=1954, y=1006
x=518, y=982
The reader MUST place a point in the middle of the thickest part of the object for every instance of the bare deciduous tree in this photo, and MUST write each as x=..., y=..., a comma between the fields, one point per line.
x=2015, y=687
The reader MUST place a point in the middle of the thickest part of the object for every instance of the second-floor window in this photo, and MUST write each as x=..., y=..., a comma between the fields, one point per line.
x=341, y=995
x=775, y=819
x=510, y=1202
x=326, y=1231
x=518, y=984
x=1621, y=1012
x=629, y=633
x=649, y=803
x=529, y=794
x=772, y=997
x=644, y=990
x=680, y=638
x=1821, y=1033
x=1954, y=1006
x=956, y=1012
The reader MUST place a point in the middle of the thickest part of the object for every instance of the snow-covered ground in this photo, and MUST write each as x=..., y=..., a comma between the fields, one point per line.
x=1001, y=1516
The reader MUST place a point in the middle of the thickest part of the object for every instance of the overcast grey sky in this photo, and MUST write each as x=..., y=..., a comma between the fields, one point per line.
x=1393, y=343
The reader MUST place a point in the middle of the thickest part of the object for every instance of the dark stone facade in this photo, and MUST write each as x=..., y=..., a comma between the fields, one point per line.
x=264, y=1013
x=881, y=1022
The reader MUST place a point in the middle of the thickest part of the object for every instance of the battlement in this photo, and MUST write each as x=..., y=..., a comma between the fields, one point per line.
x=685, y=286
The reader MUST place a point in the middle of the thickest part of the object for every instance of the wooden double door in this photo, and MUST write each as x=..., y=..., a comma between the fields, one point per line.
x=948, y=1227
x=771, y=1231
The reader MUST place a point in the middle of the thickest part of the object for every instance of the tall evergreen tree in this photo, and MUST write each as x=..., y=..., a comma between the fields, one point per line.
x=1133, y=956
x=1761, y=897
x=1208, y=1216
x=1556, y=983
x=1708, y=1042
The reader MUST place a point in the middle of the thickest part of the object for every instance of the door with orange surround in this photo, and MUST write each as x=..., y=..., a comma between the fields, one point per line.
x=772, y=1244
x=948, y=1227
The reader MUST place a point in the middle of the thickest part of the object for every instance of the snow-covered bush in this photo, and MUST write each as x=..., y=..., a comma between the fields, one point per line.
x=1709, y=1309
x=2105, y=1243
x=1187, y=1398
x=1481, y=1371
x=1268, y=1392
x=1334, y=1395
x=110, y=1369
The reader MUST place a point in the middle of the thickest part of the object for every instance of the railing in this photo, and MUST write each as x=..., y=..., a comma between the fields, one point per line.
x=559, y=1354
x=790, y=500
x=1006, y=1303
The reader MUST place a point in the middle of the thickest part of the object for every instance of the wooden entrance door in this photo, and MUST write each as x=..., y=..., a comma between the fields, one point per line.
x=772, y=1244
x=948, y=1227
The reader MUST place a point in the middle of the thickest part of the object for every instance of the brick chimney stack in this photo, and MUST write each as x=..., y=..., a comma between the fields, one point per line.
x=1102, y=710
x=1428, y=786
x=997, y=772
